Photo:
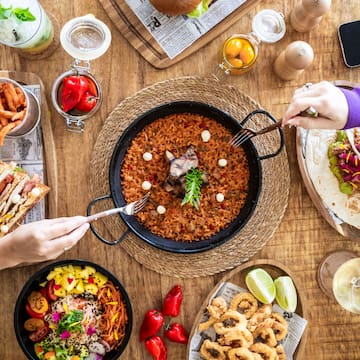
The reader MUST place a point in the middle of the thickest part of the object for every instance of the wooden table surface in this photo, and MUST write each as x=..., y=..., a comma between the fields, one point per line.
x=300, y=242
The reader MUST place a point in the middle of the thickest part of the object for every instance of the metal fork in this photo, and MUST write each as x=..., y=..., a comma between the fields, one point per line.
x=247, y=133
x=129, y=209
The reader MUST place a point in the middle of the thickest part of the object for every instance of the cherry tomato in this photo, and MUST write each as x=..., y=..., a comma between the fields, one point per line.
x=38, y=303
x=50, y=290
x=39, y=334
x=86, y=103
x=32, y=313
x=33, y=324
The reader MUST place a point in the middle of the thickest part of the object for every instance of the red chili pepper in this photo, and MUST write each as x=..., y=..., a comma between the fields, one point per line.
x=152, y=323
x=73, y=89
x=87, y=102
x=156, y=348
x=172, y=301
x=176, y=332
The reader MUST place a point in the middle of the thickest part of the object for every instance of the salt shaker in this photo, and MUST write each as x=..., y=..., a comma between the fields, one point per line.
x=292, y=61
x=308, y=13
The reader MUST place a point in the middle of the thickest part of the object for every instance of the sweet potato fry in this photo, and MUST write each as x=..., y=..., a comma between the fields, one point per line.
x=6, y=129
x=11, y=96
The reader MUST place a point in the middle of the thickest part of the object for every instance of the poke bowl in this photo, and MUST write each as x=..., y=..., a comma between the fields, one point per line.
x=73, y=310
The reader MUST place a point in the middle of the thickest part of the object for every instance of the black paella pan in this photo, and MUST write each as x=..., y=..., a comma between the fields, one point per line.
x=255, y=182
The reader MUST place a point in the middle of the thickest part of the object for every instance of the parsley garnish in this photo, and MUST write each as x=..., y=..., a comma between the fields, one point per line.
x=193, y=183
x=20, y=13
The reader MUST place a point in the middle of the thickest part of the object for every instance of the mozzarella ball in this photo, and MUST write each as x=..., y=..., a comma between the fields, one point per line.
x=161, y=209
x=146, y=185
x=147, y=156
x=205, y=135
x=4, y=229
x=222, y=162
x=220, y=197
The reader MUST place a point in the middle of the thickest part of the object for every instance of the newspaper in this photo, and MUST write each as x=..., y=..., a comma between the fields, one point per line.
x=296, y=324
x=175, y=33
x=27, y=152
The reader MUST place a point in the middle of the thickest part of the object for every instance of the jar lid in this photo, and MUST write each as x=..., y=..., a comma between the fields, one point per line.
x=269, y=25
x=85, y=38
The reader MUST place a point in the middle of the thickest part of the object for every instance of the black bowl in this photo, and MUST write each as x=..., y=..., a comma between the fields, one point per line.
x=20, y=314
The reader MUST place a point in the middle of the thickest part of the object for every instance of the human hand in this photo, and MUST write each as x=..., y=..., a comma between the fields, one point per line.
x=327, y=99
x=41, y=240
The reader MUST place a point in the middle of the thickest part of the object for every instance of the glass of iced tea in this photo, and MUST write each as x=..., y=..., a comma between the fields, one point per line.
x=25, y=25
x=240, y=51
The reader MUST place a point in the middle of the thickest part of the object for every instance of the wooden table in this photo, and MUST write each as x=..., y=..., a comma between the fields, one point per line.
x=300, y=242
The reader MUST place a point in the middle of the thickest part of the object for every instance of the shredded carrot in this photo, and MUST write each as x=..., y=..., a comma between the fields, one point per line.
x=114, y=318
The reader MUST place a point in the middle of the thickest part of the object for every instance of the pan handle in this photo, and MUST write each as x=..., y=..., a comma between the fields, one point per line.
x=281, y=133
x=92, y=228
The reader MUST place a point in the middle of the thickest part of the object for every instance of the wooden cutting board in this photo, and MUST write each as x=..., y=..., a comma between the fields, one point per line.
x=49, y=154
x=140, y=38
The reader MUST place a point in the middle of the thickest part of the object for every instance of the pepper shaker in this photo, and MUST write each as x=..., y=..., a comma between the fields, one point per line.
x=308, y=13
x=292, y=61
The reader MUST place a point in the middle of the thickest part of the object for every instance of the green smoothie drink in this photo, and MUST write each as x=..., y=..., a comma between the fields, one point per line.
x=25, y=25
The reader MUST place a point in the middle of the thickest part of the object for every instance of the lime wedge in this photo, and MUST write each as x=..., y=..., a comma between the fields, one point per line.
x=261, y=285
x=286, y=295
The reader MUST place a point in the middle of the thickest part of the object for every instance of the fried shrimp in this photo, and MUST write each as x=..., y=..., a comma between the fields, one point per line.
x=231, y=319
x=237, y=337
x=240, y=353
x=217, y=308
x=280, y=352
x=267, y=334
x=246, y=302
x=211, y=350
x=264, y=350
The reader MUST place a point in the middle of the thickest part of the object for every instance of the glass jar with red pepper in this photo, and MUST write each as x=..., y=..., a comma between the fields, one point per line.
x=77, y=94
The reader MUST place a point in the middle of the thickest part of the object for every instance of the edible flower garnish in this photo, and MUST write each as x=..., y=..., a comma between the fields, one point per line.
x=56, y=317
x=193, y=183
x=65, y=335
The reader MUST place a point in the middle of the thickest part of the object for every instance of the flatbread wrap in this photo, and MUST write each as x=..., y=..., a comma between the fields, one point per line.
x=334, y=168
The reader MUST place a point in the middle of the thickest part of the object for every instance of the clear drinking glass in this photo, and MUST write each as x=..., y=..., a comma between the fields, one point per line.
x=339, y=278
x=239, y=52
x=25, y=25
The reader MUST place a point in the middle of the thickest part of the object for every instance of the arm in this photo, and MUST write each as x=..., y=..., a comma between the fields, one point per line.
x=41, y=240
x=353, y=100
x=338, y=108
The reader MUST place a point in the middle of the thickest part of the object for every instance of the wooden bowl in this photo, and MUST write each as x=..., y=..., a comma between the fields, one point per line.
x=237, y=277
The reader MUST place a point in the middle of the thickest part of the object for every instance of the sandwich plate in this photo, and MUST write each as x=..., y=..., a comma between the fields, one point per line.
x=233, y=283
x=340, y=210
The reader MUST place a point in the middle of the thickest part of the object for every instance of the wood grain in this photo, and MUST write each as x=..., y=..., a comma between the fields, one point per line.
x=140, y=38
x=301, y=240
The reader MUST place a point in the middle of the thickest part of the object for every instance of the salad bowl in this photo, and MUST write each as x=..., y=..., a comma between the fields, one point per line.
x=46, y=327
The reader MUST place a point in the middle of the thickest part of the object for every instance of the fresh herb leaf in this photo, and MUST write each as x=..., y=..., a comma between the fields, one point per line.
x=24, y=14
x=21, y=14
x=193, y=183
x=5, y=12
x=71, y=322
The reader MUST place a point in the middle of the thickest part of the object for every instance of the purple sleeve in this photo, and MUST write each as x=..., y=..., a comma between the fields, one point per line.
x=353, y=100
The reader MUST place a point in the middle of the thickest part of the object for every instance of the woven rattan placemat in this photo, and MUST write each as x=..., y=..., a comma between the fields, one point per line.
x=272, y=200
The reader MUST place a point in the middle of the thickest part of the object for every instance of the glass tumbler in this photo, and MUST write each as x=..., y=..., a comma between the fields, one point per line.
x=25, y=25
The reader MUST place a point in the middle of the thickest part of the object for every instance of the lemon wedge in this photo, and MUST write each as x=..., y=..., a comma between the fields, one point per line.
x=286, y=295
x=261, y=285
